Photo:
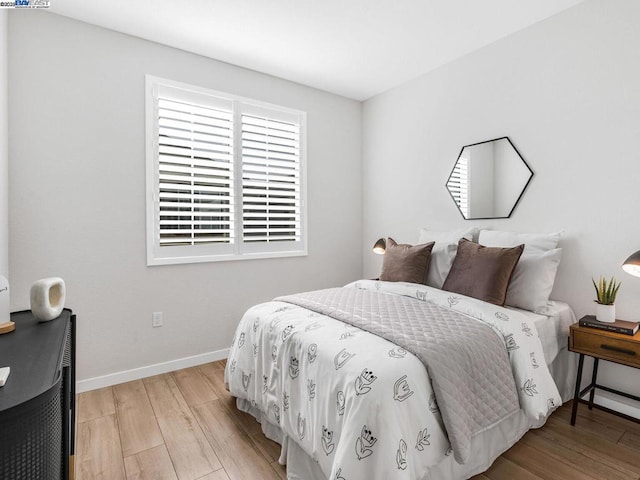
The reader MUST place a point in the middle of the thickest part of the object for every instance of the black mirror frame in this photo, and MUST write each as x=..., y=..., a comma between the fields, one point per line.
x=521, y=193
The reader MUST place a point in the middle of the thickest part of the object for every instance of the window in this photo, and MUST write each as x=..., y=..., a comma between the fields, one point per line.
x=225, y=176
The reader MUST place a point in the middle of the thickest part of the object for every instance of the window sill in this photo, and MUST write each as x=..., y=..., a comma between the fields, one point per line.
x=151, y=262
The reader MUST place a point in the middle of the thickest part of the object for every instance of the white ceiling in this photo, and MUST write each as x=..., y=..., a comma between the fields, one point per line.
x=355, y=48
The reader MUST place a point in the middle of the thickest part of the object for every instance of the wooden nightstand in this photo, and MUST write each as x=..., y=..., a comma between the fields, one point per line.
x=605, y=345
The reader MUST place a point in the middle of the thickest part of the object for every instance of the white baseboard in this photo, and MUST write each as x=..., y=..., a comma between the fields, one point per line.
x=617, y=403
x=605, y=399
x=148, y=371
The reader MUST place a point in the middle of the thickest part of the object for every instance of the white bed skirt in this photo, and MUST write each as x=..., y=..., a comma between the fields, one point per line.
x=485, y=447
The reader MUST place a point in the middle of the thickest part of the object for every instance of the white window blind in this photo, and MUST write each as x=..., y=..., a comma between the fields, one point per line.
x=224, y=175
x=271, y=203
x=458, y=185
x=195, y=152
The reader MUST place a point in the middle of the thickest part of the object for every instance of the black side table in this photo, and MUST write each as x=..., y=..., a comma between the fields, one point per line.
x=37, y=404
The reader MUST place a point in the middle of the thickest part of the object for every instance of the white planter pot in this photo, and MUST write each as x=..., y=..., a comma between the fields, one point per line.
x=606, y=313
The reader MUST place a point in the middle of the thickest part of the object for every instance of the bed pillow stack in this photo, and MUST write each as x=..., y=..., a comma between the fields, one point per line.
x=535, y=272
x=503, y=268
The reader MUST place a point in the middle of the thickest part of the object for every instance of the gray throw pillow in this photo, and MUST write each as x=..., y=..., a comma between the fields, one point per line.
x=482, y=272
x=406, y=263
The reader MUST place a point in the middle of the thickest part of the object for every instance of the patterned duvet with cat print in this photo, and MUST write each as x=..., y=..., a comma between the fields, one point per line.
x=360, y=406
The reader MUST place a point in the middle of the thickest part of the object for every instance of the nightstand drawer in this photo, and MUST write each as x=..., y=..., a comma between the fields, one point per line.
x=606, y=346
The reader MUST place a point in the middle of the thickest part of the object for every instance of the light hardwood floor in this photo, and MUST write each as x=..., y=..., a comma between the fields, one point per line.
x=184, y=425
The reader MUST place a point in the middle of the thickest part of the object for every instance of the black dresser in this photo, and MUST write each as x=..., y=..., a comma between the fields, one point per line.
x=37, y=404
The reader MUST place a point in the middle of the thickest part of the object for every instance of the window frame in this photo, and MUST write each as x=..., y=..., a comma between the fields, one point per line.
x=238, y=249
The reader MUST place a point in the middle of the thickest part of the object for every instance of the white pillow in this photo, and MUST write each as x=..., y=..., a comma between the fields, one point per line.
x=443, y=252
x=532, y=280
x=532, y=241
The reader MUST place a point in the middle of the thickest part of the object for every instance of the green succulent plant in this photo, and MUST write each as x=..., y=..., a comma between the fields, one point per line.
x=606, y=291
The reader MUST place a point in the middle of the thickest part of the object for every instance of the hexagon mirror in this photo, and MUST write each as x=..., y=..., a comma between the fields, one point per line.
x=488, y=179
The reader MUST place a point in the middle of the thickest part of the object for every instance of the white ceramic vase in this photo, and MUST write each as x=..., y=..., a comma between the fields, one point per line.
x=605, y=313
x=47, y=298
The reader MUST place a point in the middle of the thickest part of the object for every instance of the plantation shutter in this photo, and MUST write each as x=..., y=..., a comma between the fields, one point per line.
x=271, y=179
x=458, y=185
x=195, y=169
x=225, y=176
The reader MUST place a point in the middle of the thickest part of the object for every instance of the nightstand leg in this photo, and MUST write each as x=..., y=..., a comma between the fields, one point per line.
x=576, y=396
x=593, y=382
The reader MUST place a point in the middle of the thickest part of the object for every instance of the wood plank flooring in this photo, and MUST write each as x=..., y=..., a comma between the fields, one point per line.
x=184, y=426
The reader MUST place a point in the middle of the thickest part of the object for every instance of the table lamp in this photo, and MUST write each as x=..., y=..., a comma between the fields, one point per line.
x=380, y=246
x=632, y=264
x=6, y=325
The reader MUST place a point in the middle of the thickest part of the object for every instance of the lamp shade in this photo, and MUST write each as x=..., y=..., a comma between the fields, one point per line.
x=632, y=264
x=380, y=246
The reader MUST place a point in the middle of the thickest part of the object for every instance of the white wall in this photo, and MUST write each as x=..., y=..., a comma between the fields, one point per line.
x=4, y=161
x=566, y=91
x=78, y=194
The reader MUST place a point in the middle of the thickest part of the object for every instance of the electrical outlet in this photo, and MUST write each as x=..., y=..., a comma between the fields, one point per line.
x=156, y=319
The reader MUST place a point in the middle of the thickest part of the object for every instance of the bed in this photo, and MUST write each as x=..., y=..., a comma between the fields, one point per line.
x=348, y=397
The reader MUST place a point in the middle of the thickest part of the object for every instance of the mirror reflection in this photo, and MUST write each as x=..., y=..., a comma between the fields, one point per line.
x=488, y=179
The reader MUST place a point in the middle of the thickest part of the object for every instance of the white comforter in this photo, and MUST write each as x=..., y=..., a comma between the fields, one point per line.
x=360, y=406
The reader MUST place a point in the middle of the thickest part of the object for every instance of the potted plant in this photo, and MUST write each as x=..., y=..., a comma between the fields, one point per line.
x=605, y=298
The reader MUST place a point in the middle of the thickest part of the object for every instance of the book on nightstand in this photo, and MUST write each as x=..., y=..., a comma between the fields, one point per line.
x=619, y=326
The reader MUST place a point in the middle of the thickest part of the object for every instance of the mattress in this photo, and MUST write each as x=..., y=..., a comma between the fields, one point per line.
x=552, y=330
x=553, y=327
